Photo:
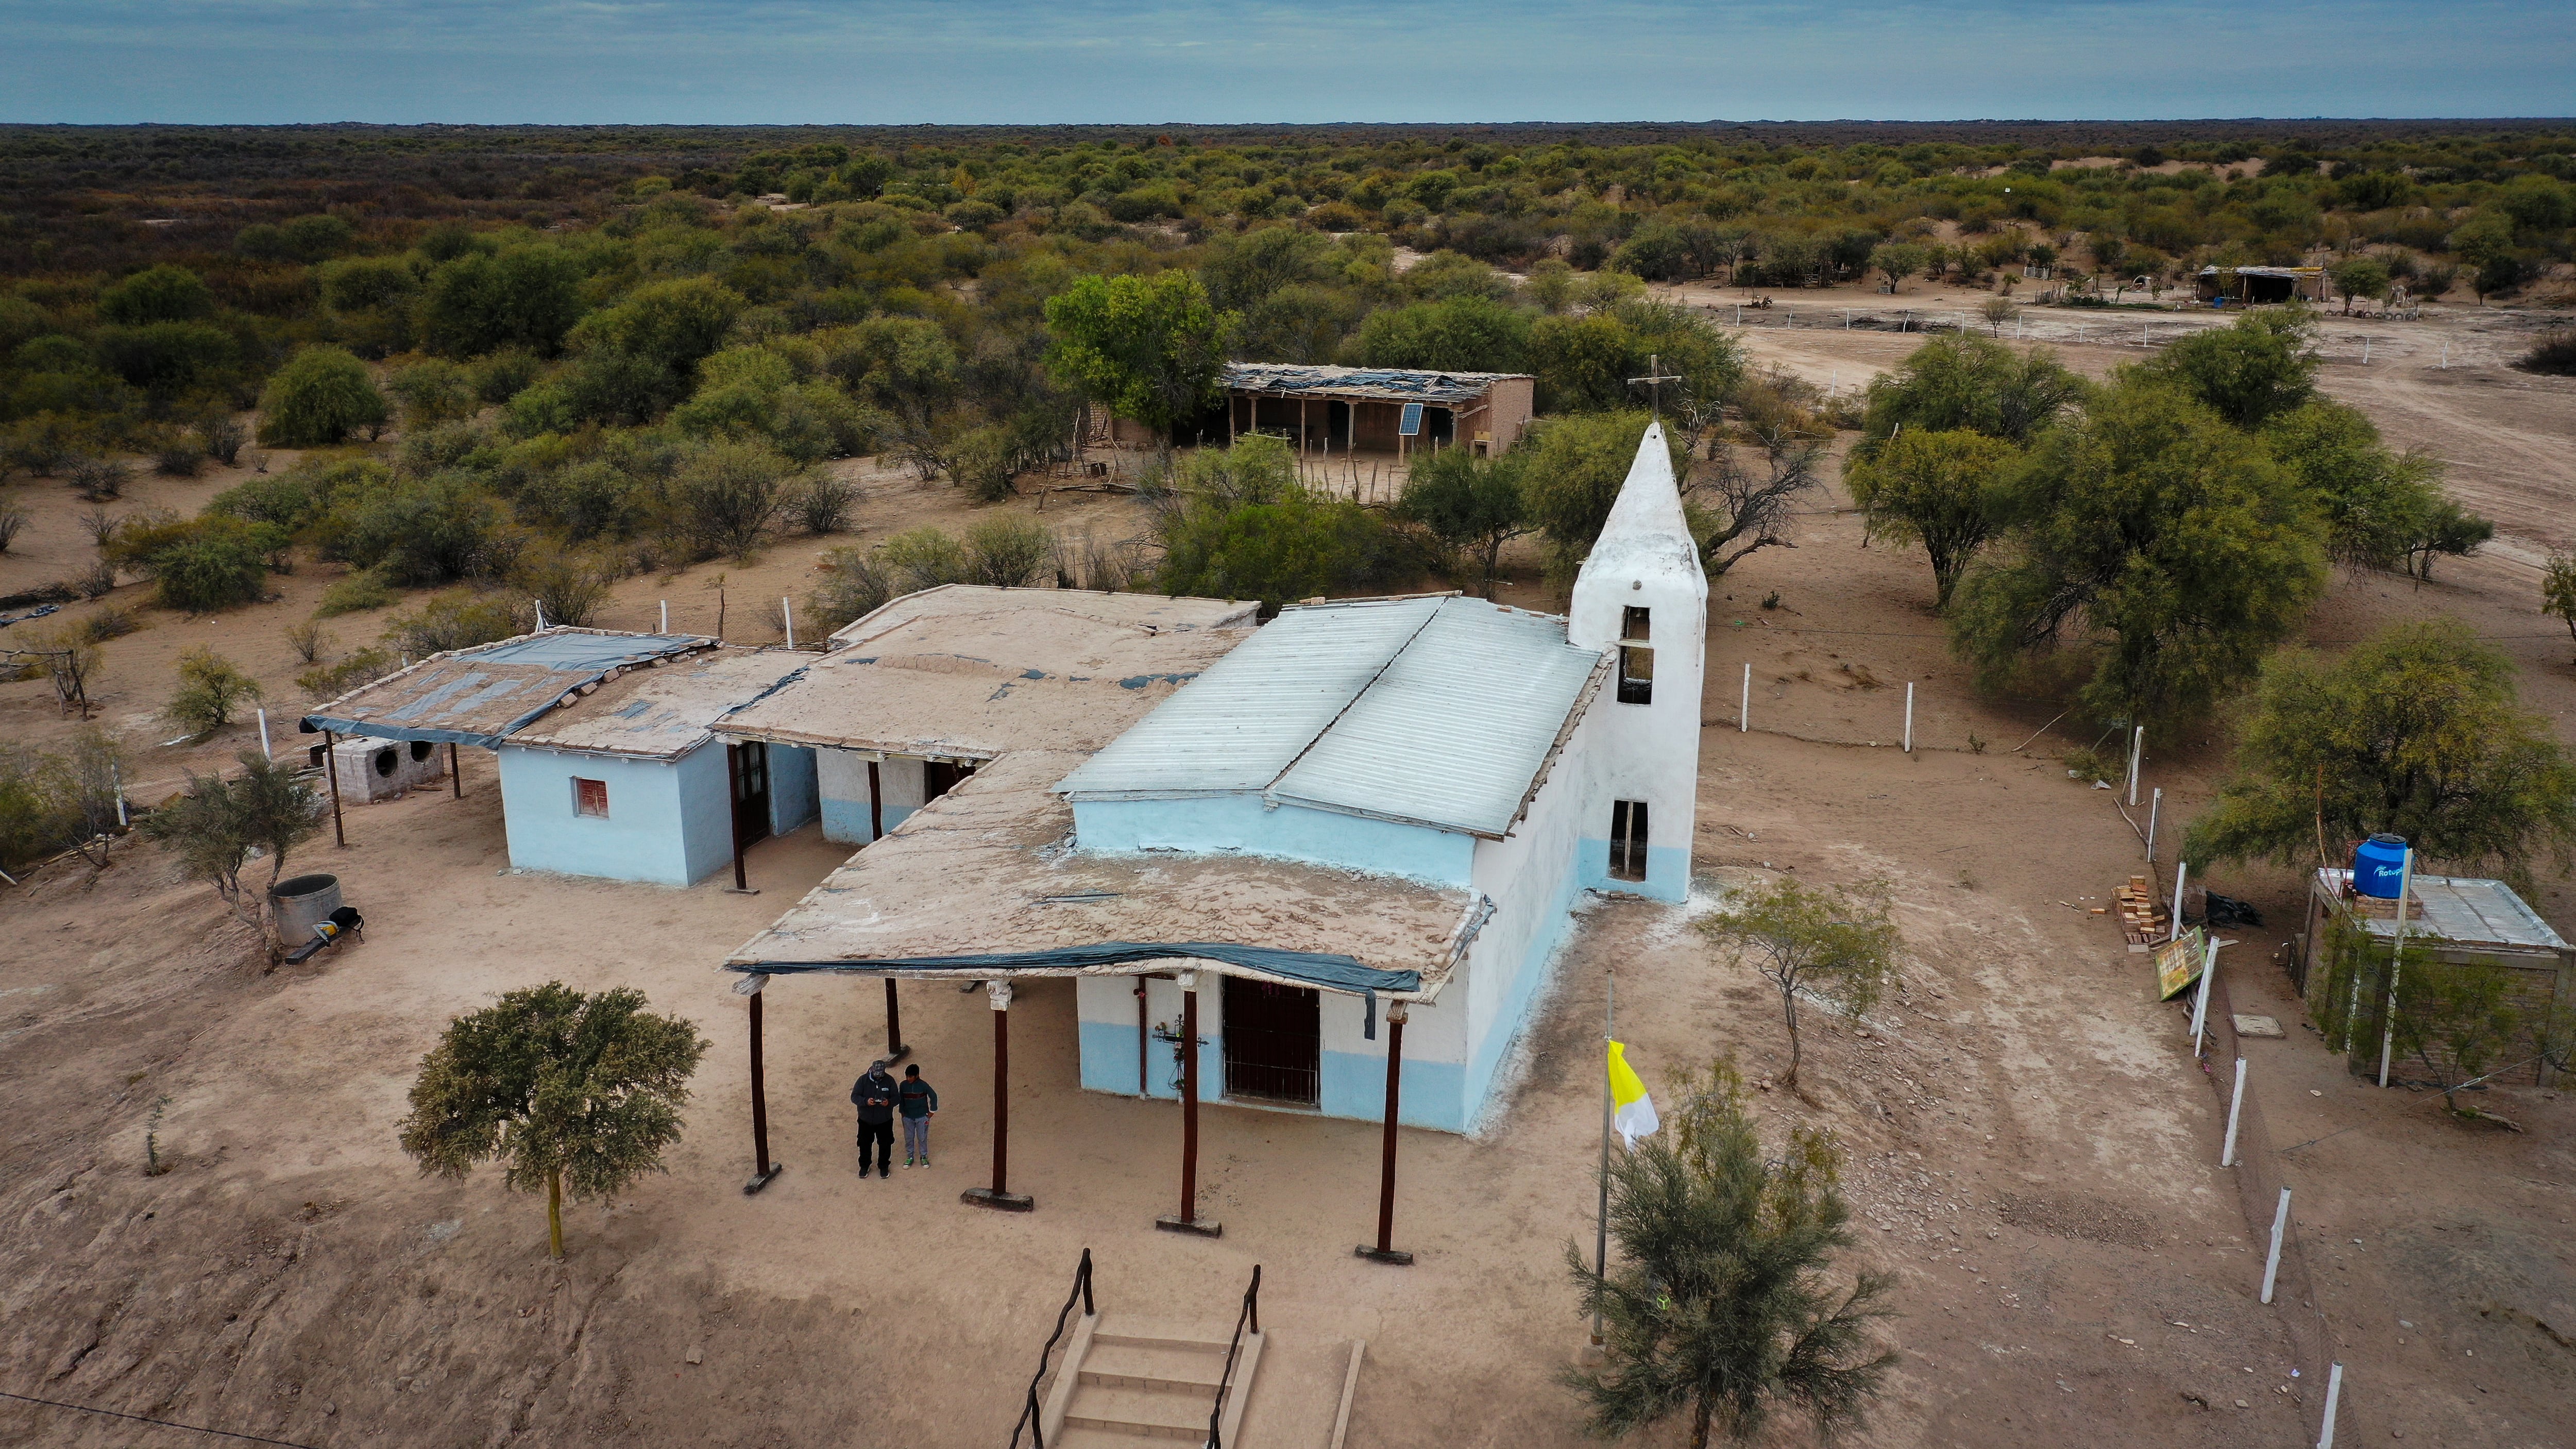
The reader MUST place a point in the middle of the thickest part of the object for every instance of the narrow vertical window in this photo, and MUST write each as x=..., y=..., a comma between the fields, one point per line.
x=1636, y=656
x=1628, y=840
x=590, y=797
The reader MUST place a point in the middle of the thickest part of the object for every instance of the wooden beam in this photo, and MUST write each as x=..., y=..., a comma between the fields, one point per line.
x=876, y=806
x=733, y=813
x=763, y=1170
x=331, y=768
x=895, y=1049
x=1189, y=1221
x=455, y=774
x=999, y=1196
x=1385, y=1251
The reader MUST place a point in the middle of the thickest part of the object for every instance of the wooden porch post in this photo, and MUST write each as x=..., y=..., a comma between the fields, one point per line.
x=876, y=807
x=331, y=768
x=999, y=1195
x=1189, y=1220
x=762, y=1168
x=1144, y=1040
x=895, y=1049
x=1385, y=1251
x=733, y=814
x=455, y=776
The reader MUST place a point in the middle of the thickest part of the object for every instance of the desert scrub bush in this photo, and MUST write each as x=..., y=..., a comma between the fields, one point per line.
x=823, y=505
x=724, y=496
x=361, y=590
x=222, y=436
x=211, y=688
x=198, y=565
x=13, y=521
x=178, y=455
x=318, y=399
x=433, y=391
x=357, y=668
x=855, y=584
x=2090, y=765
x=1008, y=552
x=569, y=585
x=309, y=640
x=112, y=622
x=99, y=479
x=459, y=619
x=2554, y=355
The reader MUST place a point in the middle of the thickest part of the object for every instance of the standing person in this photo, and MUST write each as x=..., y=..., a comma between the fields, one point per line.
x=919, y=1102
x=874, y=1096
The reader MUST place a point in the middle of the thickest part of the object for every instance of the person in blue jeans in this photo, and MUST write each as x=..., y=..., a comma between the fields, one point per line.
x=918, y=1101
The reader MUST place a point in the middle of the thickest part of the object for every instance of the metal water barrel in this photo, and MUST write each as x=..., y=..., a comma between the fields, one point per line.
x=303, y=902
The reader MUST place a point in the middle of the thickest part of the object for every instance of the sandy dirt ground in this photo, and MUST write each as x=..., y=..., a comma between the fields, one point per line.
x=2032, y=1146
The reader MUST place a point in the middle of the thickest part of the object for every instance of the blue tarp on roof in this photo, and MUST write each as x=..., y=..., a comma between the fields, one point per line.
x=482, y=695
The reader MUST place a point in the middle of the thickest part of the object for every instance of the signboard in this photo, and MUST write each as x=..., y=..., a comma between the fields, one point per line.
x=2178, y=964
x=1410, y=425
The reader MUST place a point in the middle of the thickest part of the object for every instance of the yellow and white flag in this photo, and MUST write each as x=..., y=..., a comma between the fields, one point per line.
x=1632, y=1111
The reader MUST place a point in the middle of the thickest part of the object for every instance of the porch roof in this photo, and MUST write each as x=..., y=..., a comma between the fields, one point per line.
x=482, y=695
x=985, y=883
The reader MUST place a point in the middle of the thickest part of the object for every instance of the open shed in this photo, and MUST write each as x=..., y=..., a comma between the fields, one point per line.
x=2463, y=920
x=1367, y=409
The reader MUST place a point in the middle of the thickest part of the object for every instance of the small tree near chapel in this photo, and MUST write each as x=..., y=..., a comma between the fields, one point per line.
x=564, y=1089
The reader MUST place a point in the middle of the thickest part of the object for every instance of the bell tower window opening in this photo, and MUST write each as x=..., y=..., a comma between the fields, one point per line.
x=1635, y=624
x=1636, y=674
x=1628, y=840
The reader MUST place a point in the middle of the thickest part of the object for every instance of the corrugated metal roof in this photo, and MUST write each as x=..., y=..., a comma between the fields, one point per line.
x=479, y=696
x=1440, y=711
x=1455, y=728
x=664, y=713
x=1249, y=716
x=1394, y=384
x=2457, y=908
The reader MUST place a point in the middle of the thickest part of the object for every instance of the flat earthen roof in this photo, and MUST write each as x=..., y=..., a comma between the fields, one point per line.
x=966, y=672
x=989, y=868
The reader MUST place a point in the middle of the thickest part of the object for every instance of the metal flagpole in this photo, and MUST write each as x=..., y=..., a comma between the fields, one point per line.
x=1601, y=1242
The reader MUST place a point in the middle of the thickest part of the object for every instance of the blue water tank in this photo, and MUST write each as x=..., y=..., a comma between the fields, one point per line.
x=2378, y=865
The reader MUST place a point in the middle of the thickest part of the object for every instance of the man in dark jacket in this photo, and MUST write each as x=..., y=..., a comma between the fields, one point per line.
x=919, y=1102
x=874, y=1096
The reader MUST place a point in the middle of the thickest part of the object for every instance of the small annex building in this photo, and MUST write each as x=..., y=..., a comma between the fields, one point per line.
x=609, y=764
x=1368, y=813
x=2458, y=920
x=2260, y=284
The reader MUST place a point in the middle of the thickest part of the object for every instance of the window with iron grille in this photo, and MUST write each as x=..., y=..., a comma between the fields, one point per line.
x=590, y=797
x=1628, y=840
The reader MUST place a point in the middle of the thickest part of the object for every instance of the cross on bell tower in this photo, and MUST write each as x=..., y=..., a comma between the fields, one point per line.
x=1654, y=380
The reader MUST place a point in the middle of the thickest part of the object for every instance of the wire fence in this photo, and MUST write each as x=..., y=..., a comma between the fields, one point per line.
x=2260, y=1177
x=2141, y=326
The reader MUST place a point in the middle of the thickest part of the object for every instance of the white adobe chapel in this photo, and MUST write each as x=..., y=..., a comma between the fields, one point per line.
x=1365, y=806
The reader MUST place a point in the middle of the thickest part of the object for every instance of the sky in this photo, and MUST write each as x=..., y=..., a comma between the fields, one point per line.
x=1209, y=61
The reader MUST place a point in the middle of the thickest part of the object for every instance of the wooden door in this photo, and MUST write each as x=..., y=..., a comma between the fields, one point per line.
x=749, y=766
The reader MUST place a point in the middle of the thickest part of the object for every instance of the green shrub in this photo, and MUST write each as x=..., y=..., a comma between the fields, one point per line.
x=319, y=398
x=505, y=374
x=431, y=531
x=360, y=667
x=1295, y=546
x=724, y=496
x=210, y=689
x=433, y=391
x=286, y=501
x=2554, y=355
x=200, y=564
x=1010, y=552
x=460, y=619
x=361, y=590
x=855, y=583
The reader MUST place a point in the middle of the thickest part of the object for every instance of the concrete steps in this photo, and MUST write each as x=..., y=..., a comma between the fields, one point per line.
x=1126, y=1379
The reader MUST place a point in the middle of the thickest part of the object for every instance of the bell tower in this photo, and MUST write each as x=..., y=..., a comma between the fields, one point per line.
x=1642, y=592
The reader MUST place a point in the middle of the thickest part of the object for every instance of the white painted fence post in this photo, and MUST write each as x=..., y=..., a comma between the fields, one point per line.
x=2365, y=352
x=666, y=616
x=2137, y=747
x=2155, y=806
x=787, y=611
x=2179, y=867
x=541, y=616
x=2235, y=1105
x=1909, y=716
x=265, y=752
x=2200, y=1002
x=1744, y=711
x=2272, y=1260
x=2334, y=1396
x=123, y=822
